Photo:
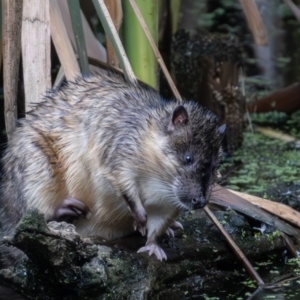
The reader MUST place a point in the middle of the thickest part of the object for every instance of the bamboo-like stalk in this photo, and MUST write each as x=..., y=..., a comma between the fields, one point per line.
x=74, y=8
x=137, y=47
x=36, y=50
x=254, y=275
x=174, y=10
x=255, y=22
x=111, y=31
x=62, y=43
x=115, y=10
x=154, y=48
x=12, y=16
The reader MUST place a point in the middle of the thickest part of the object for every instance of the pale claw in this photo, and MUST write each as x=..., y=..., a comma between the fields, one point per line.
x=176, y=225
x=154, y=249
x=140, y=228
x=170, y=232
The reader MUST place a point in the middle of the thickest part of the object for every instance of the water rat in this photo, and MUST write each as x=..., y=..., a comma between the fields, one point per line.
x=132, y=158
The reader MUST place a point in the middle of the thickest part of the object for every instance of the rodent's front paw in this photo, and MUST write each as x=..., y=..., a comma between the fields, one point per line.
x=174, y=226
x=140, y=221
x=155, y=249
x=170, y=232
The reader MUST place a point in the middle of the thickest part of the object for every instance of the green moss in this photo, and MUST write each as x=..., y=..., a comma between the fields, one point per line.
x=273, y=117
x=296, y=263
x=262, y=162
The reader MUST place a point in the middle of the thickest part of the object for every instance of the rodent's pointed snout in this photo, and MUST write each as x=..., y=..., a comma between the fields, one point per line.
x=198, y=202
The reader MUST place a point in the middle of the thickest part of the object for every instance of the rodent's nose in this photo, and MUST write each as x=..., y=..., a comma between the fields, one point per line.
x=198, y=202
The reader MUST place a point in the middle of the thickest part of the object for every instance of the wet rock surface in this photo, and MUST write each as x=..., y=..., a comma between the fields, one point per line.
x=62, y=265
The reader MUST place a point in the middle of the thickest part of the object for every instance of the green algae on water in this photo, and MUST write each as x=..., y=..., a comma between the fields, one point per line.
x=262, y=162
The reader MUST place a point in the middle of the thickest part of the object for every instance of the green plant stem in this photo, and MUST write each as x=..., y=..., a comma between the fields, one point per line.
x=74, y=8
x=137, y=47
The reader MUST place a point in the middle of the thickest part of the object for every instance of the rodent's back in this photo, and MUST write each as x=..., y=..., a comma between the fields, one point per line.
x=87, y=122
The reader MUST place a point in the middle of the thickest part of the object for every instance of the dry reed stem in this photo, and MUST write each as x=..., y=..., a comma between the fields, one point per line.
x=12, y=16
x=94, y=48
x=276, y=134
x=60, y=77
x=225, y=198
x=36, y=50
x=238, y=252
x=281, y=210
x=255, y=22
x=62, y=43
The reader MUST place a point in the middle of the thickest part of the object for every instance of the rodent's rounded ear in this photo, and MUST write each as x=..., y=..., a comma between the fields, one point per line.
x=180, y=116
x=222, y=129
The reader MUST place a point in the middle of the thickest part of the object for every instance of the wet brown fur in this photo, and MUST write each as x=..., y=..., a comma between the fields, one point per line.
x=100, y=138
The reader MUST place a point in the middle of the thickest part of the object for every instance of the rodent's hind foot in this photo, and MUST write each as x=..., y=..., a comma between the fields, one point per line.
x=70, y=211
x=155, y=249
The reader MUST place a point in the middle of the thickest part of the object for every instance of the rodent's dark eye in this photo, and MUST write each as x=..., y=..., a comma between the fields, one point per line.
x=188, y=158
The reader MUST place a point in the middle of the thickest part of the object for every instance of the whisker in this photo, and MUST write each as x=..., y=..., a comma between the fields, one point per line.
x=226, y=175
x=218, y=189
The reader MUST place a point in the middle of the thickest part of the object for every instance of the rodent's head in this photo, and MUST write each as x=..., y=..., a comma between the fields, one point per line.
x=195, y=140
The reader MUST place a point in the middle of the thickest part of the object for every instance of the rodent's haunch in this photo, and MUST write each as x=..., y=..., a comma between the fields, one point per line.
x=133, y=159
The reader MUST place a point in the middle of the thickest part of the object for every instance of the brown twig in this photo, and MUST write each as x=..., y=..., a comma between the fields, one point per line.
x=289, y=244
x=285, y=100
x=280, y=283
x=115, y=10
x=254, y=275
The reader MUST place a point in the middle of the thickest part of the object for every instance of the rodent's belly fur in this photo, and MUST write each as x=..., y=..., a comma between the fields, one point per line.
x=110, y=218
x=94, y=227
